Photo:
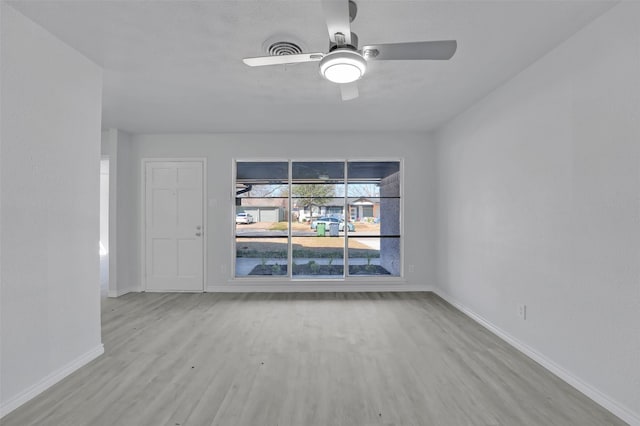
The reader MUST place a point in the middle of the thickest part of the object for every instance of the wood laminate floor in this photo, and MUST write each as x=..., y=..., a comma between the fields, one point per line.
x=304, y=359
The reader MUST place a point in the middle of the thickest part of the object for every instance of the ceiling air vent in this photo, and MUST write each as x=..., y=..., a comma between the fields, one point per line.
x=279, y=48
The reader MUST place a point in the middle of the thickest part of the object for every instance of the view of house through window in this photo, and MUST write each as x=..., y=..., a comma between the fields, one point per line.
x=317, y=220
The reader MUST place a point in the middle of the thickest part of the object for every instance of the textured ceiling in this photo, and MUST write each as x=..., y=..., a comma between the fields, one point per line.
x=176, y=66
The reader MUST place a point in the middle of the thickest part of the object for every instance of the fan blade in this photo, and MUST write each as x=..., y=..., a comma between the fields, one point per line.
x=349, y=91
x=433, y=50
x=282, y=59
x=336, y=13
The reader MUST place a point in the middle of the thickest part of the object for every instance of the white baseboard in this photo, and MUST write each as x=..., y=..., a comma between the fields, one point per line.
x=598, y=397
x=50, y=380
x=122, y=292
x=295, y=287
x=324, y=287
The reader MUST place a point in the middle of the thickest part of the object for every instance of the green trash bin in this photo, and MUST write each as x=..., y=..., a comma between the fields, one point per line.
x=321, y=227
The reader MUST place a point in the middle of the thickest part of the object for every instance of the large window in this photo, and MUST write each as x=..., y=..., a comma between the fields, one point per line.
x=317, y=219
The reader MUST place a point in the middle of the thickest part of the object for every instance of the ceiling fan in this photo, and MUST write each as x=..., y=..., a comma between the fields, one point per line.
x=344, y=63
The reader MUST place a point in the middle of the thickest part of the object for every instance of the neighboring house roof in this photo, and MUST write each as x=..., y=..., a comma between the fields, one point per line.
x=353, y=201
x=362, y=202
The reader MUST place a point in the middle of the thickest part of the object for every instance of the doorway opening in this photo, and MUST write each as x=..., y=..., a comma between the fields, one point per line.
x=103, y=246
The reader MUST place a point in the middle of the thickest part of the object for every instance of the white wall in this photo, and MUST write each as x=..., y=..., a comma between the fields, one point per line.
x=220, y=151
x=538, y=204
x=50, y=158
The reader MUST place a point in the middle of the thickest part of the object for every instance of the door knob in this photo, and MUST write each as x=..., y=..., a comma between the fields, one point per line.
x=198, y=234
x=198, y=227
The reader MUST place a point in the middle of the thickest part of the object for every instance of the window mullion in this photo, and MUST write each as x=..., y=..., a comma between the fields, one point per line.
x=290, y=238
x=347, y=216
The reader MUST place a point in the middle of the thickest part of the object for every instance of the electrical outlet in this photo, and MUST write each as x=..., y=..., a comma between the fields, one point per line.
x=412, y=269
x=522, y=311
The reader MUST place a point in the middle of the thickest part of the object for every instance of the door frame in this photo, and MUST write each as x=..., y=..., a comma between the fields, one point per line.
x=143, y=210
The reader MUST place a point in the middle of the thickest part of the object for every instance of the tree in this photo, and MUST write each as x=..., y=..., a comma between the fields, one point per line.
x=264, y=190
x=365, y=190
x=312, y=194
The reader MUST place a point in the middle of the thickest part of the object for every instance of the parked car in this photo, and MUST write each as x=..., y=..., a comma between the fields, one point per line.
x=244, y=218
x=329, y=220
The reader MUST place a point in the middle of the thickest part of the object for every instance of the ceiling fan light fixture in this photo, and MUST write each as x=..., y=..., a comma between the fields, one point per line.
x=343, y=66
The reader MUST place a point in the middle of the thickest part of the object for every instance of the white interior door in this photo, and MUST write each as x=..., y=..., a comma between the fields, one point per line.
x=174, y=226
